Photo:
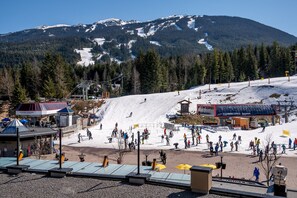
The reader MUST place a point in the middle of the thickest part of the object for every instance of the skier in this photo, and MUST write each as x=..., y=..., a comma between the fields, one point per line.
x=263, y=129
x=239, y=139
x=225, y=143
x=167, y=140
x=231, y=145
x=211, y=150
x=220, y=138
x=132, y=137
x=100, y=126
x=221, y=146
x=236, y=146
x=185, y=140
x=284, y=149
x=197, y=140
x=260, y=156
x=295, y=143
x=193, y=138
x=90, y=135
x=79, y=136
x=252, y=145
x=234, y=136
x=217, y=149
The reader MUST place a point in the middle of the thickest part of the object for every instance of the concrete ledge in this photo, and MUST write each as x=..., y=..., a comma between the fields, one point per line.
x=16, y=169
x=169, y=184
x=59, y=172
x=138, y=179
x=236, y=193
x=100, y=176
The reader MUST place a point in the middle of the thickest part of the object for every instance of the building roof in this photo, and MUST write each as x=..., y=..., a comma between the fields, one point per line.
x=229, y=110
x=12, y=127
x=66, y=110
x=40, y=108
x=185, y=102
x=243, y=110
x=29, y=133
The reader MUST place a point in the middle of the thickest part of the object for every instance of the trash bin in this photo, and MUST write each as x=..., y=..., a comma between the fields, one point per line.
x=280, y=190
x=218, y=164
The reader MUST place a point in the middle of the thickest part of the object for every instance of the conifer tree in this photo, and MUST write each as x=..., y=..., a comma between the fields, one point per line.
x=49, y=89
x=251, y=64
x=19, y=94
x=216, y=66
x=263, y=60
x=228, y=67
x=29, y=79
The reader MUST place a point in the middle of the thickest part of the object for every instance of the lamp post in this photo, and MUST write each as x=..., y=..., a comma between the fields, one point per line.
x=221, y=167
x=18, y=145
x=16, y=169
x=138, y=153
x=60, y=139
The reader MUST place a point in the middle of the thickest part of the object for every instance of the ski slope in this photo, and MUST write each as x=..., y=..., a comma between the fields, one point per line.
x=151, y=114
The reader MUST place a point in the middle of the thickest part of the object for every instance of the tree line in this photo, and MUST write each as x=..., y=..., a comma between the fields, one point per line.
x=53, y=77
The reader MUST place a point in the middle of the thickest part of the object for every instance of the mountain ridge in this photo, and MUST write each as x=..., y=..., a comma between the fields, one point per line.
x=172, y=35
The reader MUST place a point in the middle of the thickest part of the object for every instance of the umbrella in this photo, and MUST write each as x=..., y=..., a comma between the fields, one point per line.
x=183, y=167
x=23, y=121
x=160, y=167
x=5, y=120
x=209, y=166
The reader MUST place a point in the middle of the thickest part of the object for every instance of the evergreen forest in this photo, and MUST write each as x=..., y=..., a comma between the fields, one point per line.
x=54, y=78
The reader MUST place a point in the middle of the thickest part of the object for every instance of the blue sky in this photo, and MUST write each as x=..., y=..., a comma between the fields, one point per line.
x=17, y=15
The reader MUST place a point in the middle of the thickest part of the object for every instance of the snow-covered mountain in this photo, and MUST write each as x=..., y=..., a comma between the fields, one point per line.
x=121, y=40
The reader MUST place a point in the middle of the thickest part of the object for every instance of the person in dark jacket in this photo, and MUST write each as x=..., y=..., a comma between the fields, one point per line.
x=256, y=173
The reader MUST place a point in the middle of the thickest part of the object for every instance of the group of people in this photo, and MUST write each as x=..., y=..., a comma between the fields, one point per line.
x=273, y=148
x=294, y=143
x=196, y=136
x=89, y=135
x=166, y=137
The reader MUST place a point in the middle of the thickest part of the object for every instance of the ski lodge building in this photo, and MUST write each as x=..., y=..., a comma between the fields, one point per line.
x=40, y=110
x=238, y=115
